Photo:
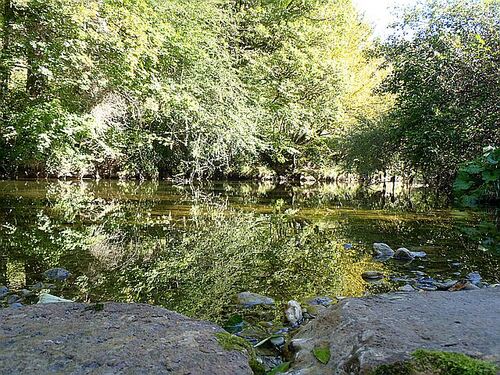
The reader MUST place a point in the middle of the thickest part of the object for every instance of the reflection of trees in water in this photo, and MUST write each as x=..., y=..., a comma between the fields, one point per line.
x=123, y=242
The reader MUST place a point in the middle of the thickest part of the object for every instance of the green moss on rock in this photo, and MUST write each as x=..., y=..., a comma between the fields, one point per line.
x=430, y=362
x=232, y=342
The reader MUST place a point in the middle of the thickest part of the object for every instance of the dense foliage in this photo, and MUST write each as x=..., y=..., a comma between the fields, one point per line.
x=445, y=73
x=140, y=87
x=148, y=88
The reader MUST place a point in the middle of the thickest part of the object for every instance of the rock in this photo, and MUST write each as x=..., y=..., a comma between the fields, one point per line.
x=463, y=285
x=445, y=285
x=372, y=275
x=293, y=313
x=474, y=277
x=16, y=305
x=403, y=254
x=57, y=274
x=323, y=301
x=248, y=299
x=13, y=298
x=121, y=338
x=406, y=288
x=3, y=291
x=49, y=298
x=347, y=246
x=278, y=341
x=383, y=250
x=461, y=322
x=418, y=254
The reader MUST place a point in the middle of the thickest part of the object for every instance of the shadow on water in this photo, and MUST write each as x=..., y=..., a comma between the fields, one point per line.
x=190, y=248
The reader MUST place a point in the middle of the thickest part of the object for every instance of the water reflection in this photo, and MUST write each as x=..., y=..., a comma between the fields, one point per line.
x=190, y=248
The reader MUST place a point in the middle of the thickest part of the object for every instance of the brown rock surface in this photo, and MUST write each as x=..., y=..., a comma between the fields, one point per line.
x=363, y=333
x=69, y=338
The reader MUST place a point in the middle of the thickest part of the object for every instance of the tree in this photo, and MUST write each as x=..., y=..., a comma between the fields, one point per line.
x=444, y=57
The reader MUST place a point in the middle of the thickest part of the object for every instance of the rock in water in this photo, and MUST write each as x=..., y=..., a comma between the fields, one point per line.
x=323, y=301
x=372, y=275
x=383, y=250
x=49, y=298
x=57, y=274
x=418, y=254
x=384, y=331
x=474, y=277
x=403, y=254
x=294, y=312
x=248, y=299
x=121, y=339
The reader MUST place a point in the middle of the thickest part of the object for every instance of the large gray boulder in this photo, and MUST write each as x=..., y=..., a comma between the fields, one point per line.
x=363, y=333
x=71, y=338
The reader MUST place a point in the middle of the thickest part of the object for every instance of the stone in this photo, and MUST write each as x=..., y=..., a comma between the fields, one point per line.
x=347, y=246
x=70, y=338
x=463, y=285
x=49, y=298
x=392, y=329
x=418, y=254
x=372, y=275
x=323, y=301
x=57, y=274
x=293, y=313
x=445, y=285
x=382, y=250
x=13, y=298
x=278, y=341
x=403, y=254
x=16, y=305
x=406, y=288
x=248, y=299
x=3, y=291
x=474, y=277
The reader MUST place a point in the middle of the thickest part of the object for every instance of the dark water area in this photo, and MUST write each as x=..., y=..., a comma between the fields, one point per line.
x=191, y=248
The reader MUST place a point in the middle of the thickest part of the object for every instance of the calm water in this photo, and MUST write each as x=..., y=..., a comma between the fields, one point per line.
x=191, y=248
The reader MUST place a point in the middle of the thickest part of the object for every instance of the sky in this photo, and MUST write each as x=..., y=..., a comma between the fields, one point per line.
x=378, y=12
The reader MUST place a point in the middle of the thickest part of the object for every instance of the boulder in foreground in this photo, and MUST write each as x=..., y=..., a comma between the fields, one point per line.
x=111, y=338
x=364, y=333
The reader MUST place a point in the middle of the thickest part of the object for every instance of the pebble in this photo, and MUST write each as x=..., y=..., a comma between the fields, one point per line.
x=278, y=341
x=323, y=301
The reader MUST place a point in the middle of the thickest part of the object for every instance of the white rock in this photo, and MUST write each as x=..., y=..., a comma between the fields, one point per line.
x=49, y=298
x=294, y=312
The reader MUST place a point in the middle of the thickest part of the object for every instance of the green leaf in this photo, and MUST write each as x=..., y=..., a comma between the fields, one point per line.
x=322, y=354
x=280, y=369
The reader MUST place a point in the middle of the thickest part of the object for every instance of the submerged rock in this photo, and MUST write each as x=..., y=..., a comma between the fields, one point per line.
x=363, y=333
x=403, y=254
x=382, y=250
x=418, y=254
x=57, y=274
x=248, y=299
x=323, y=301
x=293, y=313
x=121, y=338
x=372, y=275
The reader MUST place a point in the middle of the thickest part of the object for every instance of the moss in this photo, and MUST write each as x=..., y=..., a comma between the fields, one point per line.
x=452, y=363
x=232, y=342
x=437, y=363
